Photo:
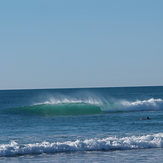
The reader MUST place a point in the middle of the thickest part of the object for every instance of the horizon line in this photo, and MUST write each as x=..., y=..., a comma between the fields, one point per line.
x=92, y=87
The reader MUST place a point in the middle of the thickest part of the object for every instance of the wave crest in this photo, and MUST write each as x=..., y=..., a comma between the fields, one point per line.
x=55, y=101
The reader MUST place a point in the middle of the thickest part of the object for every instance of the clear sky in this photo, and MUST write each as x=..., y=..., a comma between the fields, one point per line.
x=80, y=43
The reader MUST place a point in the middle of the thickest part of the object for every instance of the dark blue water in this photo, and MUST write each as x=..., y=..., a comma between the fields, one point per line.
x=81, y=125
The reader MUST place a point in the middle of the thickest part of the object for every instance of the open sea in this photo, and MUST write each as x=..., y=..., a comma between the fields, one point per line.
x=82, y=125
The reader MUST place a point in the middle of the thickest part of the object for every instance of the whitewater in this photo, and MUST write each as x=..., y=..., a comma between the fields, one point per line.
x=82, y=125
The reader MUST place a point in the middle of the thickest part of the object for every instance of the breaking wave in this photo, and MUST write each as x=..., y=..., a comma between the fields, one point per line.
x=56, y=107
x=138, y=105
x=110, y=143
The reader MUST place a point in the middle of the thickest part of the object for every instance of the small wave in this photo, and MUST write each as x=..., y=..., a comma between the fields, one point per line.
x=110, y=143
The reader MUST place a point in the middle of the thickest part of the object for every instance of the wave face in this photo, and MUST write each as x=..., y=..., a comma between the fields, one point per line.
x=56, y=107
x=110, y=143
x=56, y=110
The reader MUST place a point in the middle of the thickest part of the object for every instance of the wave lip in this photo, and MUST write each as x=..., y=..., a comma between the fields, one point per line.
x=110, y=143
x=65, y=100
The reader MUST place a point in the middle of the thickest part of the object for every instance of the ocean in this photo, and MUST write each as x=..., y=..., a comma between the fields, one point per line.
x=82, y=125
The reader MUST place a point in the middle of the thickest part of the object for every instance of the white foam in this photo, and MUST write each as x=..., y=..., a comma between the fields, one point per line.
x=150, y=102
x=110, y=143
x=138, y=105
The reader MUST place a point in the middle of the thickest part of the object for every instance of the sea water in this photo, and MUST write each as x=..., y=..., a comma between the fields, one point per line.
x=82, y=125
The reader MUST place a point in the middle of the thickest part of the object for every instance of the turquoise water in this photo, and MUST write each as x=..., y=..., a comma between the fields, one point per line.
x=81, y=125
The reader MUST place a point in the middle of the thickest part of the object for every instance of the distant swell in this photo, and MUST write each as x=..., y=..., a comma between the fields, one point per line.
x=110, y=143
x=66, y=107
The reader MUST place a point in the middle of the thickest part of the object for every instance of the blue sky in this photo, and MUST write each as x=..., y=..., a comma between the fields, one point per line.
x=80, y=43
